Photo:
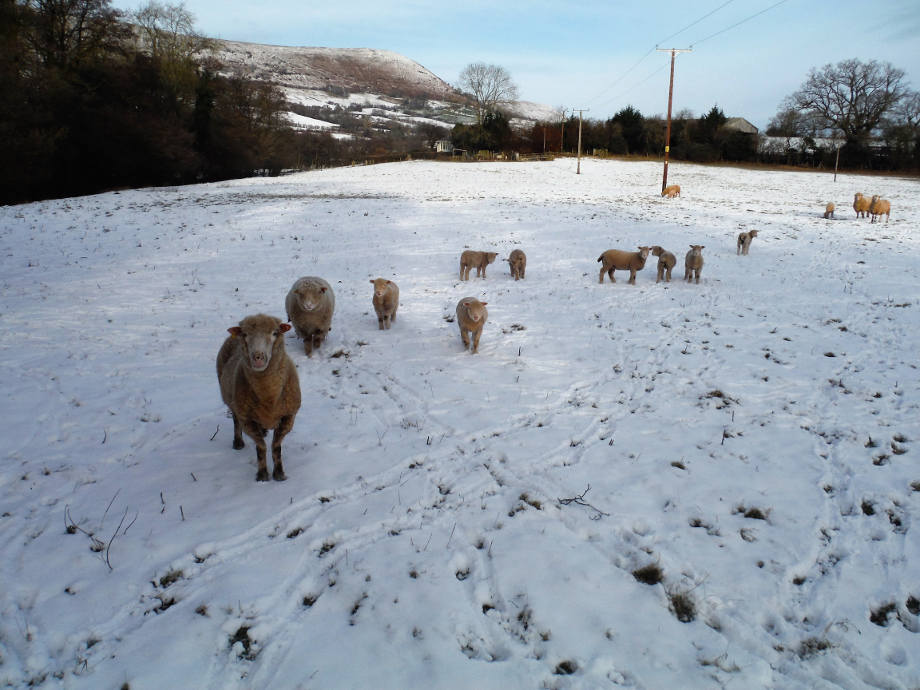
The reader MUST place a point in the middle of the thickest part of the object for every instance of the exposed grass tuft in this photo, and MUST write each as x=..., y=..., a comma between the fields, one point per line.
x=682, y=606
x=650, y=574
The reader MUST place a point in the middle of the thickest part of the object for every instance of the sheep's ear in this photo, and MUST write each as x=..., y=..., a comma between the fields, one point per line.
x=483, y=303
x=322, y=289
x=284, y=328
x=371, y=282
x=235, y=331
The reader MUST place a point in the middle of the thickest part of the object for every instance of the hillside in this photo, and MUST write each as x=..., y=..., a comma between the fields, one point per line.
x=364, y=81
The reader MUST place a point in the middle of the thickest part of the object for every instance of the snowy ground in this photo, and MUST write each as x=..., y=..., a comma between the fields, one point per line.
x=749, y=445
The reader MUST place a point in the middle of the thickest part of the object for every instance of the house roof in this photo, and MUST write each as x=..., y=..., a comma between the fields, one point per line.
x=741, y=125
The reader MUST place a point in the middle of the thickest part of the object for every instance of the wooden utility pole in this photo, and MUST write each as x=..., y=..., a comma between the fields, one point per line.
x=562, y=134
x=667, y=136
x=580, y=111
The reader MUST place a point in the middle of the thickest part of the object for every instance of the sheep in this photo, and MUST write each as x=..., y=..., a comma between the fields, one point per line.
x=861, y=205
x=693, y=262
x=666, y=261
x=518, y=263
x=386, y=301
x=879, y=206
x=829, y=210
x=471, y=317
x=744, y=241
x=480, y=260
x=259, y=384
x=309, y=304
x=671, y=191
x=614, y=259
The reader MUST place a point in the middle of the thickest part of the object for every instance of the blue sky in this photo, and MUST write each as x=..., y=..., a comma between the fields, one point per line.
x=595, y=54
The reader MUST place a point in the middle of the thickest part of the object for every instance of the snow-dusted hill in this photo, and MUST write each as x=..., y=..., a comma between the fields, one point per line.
x=382, y=83
x=649, y=486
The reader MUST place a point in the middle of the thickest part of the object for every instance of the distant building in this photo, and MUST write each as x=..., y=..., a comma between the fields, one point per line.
x=741, y=125
x=443, y=146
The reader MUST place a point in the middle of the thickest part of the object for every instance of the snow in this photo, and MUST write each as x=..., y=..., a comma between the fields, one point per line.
x=454, y=520
x=304, y=122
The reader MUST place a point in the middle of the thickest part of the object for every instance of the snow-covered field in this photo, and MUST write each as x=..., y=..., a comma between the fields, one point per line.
x=748, y=446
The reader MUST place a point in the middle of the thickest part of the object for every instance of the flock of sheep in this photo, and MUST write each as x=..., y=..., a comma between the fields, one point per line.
x=259, y=382
x=875, y=207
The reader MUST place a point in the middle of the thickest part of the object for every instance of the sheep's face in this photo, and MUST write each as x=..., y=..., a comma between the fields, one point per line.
x=474, y=309
x=643, y=252
x=310, y=297
x=490, y=256
x=260, y=335
x=380, y=286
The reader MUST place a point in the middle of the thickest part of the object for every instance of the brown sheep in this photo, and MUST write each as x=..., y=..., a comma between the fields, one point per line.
x=310, y=304
x=878, y=207
x=671, y=191
x=693, y=262
x=469, y=259
x=861, y=205
x=386, y=301
x=518, y=263
x=744, y=241
x=829, y=210
x=471, y=317
x=258, y=382
x=614, y=259
x=666, y=261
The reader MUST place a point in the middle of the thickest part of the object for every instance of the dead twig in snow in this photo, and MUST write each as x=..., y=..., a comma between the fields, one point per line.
x=580, y=500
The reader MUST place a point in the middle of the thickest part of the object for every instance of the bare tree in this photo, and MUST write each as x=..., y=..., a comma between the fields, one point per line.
x=491, y=86
x=65, y=33
x=168, y=31
x=851, y=97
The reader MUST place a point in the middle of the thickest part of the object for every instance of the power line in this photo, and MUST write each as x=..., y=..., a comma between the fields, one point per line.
x=757, y=14
x=652, y=50
x=695, y=23
x=689, y=26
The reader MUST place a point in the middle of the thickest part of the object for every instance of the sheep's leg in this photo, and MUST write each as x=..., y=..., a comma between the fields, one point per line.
x=476, y=335
x=237, y=433
x=464, y=336
x=282, y=430
x=669, y=275
x=610, y=273
x=257, y=434
x=380, y=325
x=600, y=278
x=632, y=277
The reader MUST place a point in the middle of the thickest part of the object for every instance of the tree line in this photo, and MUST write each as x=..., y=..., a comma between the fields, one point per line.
x=92, y=99
x=866, y=110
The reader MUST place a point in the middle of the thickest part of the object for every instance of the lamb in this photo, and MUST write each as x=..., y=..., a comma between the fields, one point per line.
x=480, y=260
x=861, y=205
x=671, y=191
x=259, y=384
x=744, y=241
x=829, y=210
x=614, y=259
x=518, y=263
x=666, y=261
x=693, y=262
x=310, y=303
x=471, y=317
x=386, y=301
x=879, y=206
